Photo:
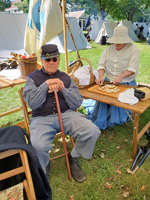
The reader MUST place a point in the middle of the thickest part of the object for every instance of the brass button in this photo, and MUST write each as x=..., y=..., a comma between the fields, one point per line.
x=54, y=101
x=54, y=108
x=53, y=112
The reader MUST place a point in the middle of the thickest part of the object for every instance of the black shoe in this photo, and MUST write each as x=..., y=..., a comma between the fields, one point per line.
x=48, y=169
x=76, y=171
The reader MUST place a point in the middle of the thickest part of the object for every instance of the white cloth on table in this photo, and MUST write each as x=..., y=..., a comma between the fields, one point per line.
x=128, y=97
x=11, y=74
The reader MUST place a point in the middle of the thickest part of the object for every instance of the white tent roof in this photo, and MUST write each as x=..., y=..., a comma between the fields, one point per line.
x=106, y=29
x=145, y=30
x=131, y=32
x=12, y=30
x=80, y=40
x=96, y=28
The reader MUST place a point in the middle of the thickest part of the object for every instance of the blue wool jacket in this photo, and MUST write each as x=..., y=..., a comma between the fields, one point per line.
x=49, y=106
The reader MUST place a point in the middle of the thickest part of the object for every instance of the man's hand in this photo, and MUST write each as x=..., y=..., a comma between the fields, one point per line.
x=54, y=87
x=55, y=81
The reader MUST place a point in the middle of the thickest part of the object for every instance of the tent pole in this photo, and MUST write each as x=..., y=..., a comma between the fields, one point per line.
x=65, y=37
x=78, y=56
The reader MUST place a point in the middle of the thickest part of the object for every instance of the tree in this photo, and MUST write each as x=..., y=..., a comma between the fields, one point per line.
x=105, y=7
x=24, y=6
x=127, y=9
x=89, y=6
x=94, y=7
x=4, y=4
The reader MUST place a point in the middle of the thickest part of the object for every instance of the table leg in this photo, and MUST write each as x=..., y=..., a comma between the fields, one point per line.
x=135, y=135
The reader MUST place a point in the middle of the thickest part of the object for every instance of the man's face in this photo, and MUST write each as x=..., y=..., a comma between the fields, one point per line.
x=51, y=66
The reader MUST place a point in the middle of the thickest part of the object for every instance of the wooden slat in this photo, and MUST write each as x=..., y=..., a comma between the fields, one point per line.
x=143, y=130
x=11, y=173
x=8, y=153
x=10, y=112
x=21, y=124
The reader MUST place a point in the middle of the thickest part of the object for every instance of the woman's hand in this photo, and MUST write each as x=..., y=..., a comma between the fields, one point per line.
x=117, y=80
x=100, y=81
x=101, y=74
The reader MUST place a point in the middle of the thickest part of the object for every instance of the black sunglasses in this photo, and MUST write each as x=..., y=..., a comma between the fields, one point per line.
x=49, y=59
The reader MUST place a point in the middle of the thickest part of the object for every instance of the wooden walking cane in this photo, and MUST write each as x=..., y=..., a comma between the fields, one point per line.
x=63, y=135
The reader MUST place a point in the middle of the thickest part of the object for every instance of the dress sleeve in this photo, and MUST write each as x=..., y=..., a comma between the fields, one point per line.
x=134, y=61
x=102, y=60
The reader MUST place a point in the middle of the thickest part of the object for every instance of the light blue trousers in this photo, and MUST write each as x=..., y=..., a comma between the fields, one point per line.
x=43, y=130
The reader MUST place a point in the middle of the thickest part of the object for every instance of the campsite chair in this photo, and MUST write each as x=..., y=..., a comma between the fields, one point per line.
x=27, y=183
x=26, y=115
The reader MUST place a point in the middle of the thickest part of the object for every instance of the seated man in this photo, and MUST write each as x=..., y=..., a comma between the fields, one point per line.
x=39, y=95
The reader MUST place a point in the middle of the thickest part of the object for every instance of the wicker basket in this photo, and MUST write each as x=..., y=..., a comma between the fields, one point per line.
x=76, y=80
x=75, y=66
x=27, y=65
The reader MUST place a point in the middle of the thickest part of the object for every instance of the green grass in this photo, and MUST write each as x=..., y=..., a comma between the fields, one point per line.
x=115, y=142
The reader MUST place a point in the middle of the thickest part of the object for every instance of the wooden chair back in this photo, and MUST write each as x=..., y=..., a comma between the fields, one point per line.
x=27, y=183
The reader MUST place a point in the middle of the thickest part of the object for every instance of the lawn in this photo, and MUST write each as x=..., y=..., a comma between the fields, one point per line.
x=107, y=175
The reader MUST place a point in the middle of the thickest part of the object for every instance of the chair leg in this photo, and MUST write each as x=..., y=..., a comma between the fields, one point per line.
x=28, y=173
x=72, y=141
x=63, y=136
x=26, y=187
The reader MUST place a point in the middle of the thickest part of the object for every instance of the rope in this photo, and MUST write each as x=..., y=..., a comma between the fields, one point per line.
x=27, y=61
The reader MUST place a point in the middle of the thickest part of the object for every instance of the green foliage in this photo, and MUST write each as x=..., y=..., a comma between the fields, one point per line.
x=23, y=6
x=4, y=4
x=116, y=9
x=116, y=143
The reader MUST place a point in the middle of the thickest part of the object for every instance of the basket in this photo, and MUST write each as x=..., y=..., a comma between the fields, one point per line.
x=76, y=80
x=75, y=66
x=27, y=65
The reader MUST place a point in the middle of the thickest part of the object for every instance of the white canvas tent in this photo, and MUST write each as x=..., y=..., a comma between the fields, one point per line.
x=12, y=31
x=131, y=32
x=145, y=30
x=106, y=29
x=80, y=40
x=96, y=28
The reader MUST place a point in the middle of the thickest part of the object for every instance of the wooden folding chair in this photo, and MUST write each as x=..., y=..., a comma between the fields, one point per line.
x=27, y=183
x=26, y=115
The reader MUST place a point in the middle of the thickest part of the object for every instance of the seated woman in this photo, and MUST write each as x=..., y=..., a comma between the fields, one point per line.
x=120, y=63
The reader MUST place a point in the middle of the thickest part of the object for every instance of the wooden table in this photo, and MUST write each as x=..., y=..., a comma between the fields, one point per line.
x=4, y=83
x=136, y=109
